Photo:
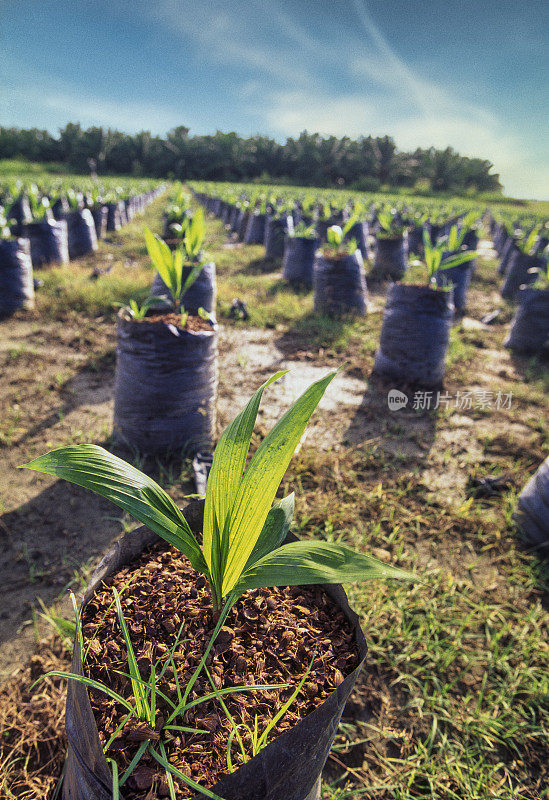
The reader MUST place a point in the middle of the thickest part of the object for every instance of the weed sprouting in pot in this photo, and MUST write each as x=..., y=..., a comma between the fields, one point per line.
x=142, y=714
x=257, y=740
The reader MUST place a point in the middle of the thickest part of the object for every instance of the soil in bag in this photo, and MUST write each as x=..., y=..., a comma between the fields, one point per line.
x=532, y=514
x=339, y=285
x=16, y=281
x=48, y=242
x=165, y=383
x=299, y=258
x=414, y=335
x=530, y=326
x=270, y=636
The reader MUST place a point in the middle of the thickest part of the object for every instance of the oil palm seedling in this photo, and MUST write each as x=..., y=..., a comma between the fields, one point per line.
x=339, y=282
x=243, y=535
x=184, y=274
x=417, y=318
x=529, y=332
x=16, y=280
x=245, y=545
x=391, y=256
x=523, y=264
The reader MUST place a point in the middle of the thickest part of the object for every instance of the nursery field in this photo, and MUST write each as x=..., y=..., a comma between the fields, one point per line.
x=452, y=702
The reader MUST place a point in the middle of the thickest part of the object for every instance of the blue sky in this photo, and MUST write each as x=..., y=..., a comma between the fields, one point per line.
x=467, y=74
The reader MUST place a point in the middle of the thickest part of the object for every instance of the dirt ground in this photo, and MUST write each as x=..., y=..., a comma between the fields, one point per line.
x=58, y=388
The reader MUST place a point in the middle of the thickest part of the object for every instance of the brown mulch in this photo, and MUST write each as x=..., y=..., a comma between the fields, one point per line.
x=32, y=737
x=269, y=637
x=191, y=323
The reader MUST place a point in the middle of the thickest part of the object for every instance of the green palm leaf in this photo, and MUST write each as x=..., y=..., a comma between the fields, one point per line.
x=257, y=489
x=301, y=563
x=226, y=472
x=94, y=468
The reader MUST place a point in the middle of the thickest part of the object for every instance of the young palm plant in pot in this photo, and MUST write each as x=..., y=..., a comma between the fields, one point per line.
x=240, y=577
x=255, y=230
x=391, y=256
x=416, y=321
x=201, y=292
x=277, y=226
x=523, y=265
x=300, y=246
x=81, y=233
x=359, y=230
x=529, y=331
x=459, y=272
x=166, y=364
x=339, y=282
x=16, y=282
x=48, y=237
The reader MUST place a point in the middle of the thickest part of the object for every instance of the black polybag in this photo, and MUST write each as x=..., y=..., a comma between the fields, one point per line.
x=459, y=277
x=415, y=240
x=202, y=294
x=414, y=334
x=20, y=211
x=275, y=231
x=48, y=242
x=360, y=232
x=299, y=258
x=82, y=237
x=116, y=216
x=339, y=284
x=519, y=273
x=100, y=214
x=243, y=225
x=507, y=251
x=288, y=768
x=530, y=326
x=255, y=231
x=391, y=258
x=16, y=281
x=165, y=387
x=532, y=513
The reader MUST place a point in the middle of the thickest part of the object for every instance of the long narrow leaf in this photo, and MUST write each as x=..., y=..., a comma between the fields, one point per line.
x=163, y=761
x=55, y=673
x=139, y=693
x=306, y=562
x=275, y=529
x=94, y=468
x=262, y=478
x=227, y=468
x=161, y=257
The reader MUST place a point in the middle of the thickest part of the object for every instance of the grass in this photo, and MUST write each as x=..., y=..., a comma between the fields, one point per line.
x=453, y=702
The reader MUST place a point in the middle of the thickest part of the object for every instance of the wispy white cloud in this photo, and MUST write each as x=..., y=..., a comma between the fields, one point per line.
x=69, y=103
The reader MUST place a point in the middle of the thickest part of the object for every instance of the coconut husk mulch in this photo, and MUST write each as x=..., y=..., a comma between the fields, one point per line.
x=269, y=637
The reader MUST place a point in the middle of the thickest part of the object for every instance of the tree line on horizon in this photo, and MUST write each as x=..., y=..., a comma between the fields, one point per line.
x=366, y=164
